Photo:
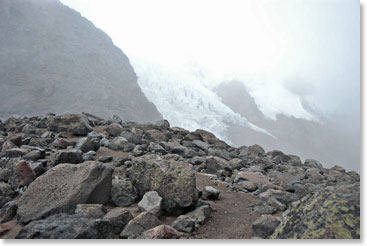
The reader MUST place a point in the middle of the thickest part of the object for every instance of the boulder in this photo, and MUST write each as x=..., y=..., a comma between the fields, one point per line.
x=62, y=188
x=162, y=124
x=4, y=174
x=254, y=177
x=87, y=144
x=90, y=156
x=161, y=232
x=264, y=226
x=34, y=155
x=209, y=193
x=75, y=124
x=123, y=193
x=174, y=181
x=200, y=144
x=184, y=223
x=200, y=214
x=8, y=211
x=66, y=226
x=22, y=175
x=329, y=213
x=118, y=218
x=6, y=193
x=151, y=203
x=139, y=224
x=68, y=156
x=113, y=130
x=91, y=211
x=121, y=143
x=156, y=148
x=60, y=143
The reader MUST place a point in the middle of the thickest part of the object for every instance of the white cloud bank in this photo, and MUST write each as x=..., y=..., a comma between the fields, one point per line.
x=286, y=51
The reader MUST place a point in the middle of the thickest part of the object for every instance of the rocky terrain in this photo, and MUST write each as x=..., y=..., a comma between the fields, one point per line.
x=54, y=60
x=79, y=176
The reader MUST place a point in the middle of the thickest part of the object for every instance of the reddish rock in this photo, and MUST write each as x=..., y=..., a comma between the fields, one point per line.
x=162, y=232
x=254, y=177
x=25, y=174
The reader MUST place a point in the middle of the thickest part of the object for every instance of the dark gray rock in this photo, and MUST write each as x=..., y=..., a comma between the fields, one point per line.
x=68, y=156
x=65, y=226
x=139, y=224
x=34, y=155
x=156, y=148
x=88, y=144
x=184, y=223
x=118, y=218
x=121, y=143
x=75, y=124
x=162, y=124
x=264, y=226
x=200, y=214
x=90, y=156
x=209, y=193
x=123, y=193
x=4, y=174
x=6, y=193
x=91, y=211
x=8, y=211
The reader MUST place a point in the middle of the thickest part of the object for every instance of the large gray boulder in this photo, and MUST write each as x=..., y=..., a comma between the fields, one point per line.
x=76, y=124
x=62, y=188
x=174, y=181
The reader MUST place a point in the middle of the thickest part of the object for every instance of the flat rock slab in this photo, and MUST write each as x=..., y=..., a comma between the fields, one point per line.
x=62, y=188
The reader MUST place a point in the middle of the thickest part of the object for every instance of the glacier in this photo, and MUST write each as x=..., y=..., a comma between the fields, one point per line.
x=185, y=101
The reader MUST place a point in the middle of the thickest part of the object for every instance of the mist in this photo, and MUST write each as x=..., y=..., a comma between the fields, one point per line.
x=297, y=58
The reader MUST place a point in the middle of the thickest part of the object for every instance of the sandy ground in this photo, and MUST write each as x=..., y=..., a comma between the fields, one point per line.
x=232, y=219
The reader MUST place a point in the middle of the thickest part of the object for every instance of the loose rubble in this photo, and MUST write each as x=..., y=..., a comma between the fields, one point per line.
x=78, y=176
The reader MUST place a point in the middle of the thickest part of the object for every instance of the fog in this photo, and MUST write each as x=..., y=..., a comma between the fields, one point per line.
x=298, y=58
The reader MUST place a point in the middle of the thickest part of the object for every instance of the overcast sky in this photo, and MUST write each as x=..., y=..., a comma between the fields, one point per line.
x=285, y=51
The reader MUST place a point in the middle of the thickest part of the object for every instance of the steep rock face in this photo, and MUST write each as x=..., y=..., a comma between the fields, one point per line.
x=52, y=59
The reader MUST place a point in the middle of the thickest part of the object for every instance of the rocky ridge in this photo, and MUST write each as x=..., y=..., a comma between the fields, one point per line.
x=96, y=178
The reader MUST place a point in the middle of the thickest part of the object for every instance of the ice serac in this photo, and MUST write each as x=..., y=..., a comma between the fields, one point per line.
x=185, y=101
x=54, y=60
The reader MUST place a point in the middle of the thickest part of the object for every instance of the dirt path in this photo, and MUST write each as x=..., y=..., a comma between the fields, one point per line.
x=232, y=220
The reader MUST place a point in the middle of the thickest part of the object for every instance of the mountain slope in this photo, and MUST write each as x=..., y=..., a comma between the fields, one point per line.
x=52, y=59
x=327, y=141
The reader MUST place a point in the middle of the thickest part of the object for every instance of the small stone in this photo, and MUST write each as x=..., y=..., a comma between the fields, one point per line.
x=151, y=203
x=118, y=218
x=264, y=226
x=161, y=232
x=184, y=223
x=139, y=224
x=210, y=193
